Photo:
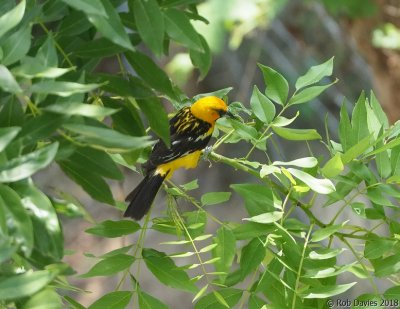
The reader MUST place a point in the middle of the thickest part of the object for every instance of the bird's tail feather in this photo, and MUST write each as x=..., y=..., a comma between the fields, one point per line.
x=141, y=198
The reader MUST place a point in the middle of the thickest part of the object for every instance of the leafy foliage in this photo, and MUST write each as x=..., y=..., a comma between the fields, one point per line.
x=56, y=107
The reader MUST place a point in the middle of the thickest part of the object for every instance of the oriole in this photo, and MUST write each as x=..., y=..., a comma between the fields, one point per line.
x=190, y=130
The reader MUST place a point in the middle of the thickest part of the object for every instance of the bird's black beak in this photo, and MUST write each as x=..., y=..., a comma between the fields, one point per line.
x=223, y=113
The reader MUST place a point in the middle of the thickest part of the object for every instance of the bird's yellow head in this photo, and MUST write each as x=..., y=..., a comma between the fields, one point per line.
x=209, y=109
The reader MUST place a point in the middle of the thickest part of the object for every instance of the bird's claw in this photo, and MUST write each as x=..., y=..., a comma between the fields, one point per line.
x=206, y=153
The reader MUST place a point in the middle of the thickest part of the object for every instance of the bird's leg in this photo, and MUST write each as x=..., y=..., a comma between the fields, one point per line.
x=206, y=153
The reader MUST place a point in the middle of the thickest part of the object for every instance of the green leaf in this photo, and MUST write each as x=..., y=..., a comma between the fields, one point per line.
x=99, y=48
x=325, y=253
x=306, y=162
x=231, y=297
x=308, y=94
x=16, y=45
x=387, y=266
x=297, y=134
x=32, y=68
x=315, y=74
x=111, y=26
x=225, y=251
x=262, y=107
x=252, y=256
x=47, y=54
x=110, y=265
x=266, y=218
x=180, y=29
x=146, y=301
x=150, y=24
x=345, y=129
x=132, y=87
x=150, y=73
x=251, y=230
x=376, y=248
x=48, y=237
x=379, y=113
x=79, y=109
x=63, y=89
x=113, y=229
x=192, y=185
x=95, y=161
x=93, y=184
x=89, y=7
x=165, y=270
x=40, y=127
x=22, y=229
x=12, y=18
x=212, y=198
x=7, y=81
x=359, y=119
x=322, y=186
x=47, y=298
x=246, y=132
x=255, y=302
x=327, y=291
x=106, y=138
x=113, y=300
x=202, y=59
x=158, y=118
x=281, y=121
x=326, y=232
x=277, y=86
x=357, y=150
x=258, y=198
x=7, y=135
x=28, y=164
x=22, y=285
x=333, y=167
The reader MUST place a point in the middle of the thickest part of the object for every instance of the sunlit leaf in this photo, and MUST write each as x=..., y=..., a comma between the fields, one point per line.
x=12, y=18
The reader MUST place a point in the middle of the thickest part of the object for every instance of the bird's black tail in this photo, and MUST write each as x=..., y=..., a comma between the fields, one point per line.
x=141, y=198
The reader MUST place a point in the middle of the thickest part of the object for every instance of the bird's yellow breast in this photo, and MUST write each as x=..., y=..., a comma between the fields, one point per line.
x=189, y=161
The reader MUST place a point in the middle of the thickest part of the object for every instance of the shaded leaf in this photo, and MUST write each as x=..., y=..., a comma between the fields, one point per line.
x=165, y=270
x=230, y=296
x=179, y=28
x=150, y=24
x=16, y=45
x=110, y=265
x=113, y=229
x=87, y=6
x=150, y=73
x=146, y=301
x=113, y=300
x=111, y=26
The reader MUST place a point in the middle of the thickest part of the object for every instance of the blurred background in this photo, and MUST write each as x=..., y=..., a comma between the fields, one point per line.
x=287, y=35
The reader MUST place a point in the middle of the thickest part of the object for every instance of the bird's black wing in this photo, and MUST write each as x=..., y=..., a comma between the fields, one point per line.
x=188, y=134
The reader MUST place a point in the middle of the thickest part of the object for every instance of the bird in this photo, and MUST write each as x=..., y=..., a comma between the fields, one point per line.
x=190, y=131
